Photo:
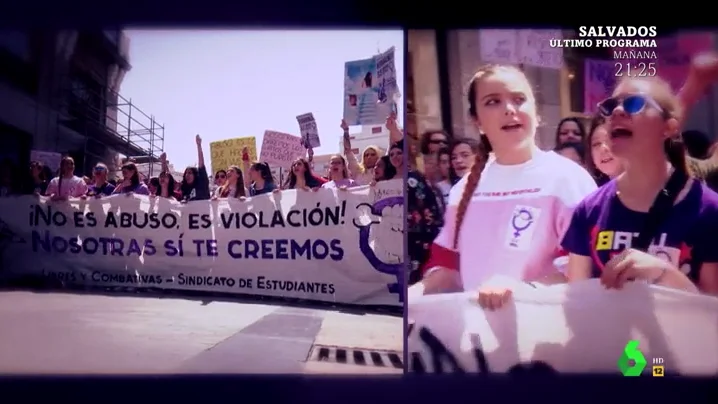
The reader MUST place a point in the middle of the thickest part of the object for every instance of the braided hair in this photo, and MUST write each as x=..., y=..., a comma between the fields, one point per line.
x=482, y=156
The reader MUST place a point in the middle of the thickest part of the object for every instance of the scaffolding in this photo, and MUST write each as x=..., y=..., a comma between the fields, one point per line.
x=110, y=124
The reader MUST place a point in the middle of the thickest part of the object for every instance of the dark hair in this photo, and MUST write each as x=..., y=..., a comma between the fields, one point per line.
x=154, y=181
x=309, y=179
x=239, y=191
x=581, y=128
x=216, y=175
x=472, y=182
x=170, y=184
x=185, y=187
x=697, y=143
x=45, y=172
x=389, y=169
x=264, y=171
x=446, y=151
x=426, y=139
x=576, y=146
x=475, y=147
x=601, y=178
x=367, y=79
x=135, y=179
x=397, y=145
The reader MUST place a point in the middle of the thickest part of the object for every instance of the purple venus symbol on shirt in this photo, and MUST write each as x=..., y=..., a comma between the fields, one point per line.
x=521, y=221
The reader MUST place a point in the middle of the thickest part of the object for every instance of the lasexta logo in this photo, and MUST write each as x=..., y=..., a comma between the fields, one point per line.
x=631, y=354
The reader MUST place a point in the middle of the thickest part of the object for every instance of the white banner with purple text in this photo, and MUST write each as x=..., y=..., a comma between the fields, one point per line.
x=343, y=246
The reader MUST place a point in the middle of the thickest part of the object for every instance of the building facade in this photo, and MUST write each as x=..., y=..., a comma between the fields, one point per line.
x=441, y=64
x=59, y=92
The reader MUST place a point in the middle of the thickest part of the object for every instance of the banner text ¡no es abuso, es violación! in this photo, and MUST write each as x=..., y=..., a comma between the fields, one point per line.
x=329, y=245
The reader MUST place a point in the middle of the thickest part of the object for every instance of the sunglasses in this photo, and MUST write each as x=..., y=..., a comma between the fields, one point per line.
x=438, y=141
x=221, y=176
x=99, y=169
x=632, y=104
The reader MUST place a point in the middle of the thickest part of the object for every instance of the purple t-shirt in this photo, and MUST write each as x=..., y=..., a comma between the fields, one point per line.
x=602, y=226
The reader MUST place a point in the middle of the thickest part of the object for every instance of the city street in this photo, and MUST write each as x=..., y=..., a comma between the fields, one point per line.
x=46, y=332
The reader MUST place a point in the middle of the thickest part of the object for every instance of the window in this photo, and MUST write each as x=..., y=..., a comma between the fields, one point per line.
x=84, y=98
x=572, y=80
x=18, y=73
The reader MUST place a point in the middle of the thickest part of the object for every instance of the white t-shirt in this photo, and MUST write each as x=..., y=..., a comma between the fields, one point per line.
x=73, y=187
x=445, y=187
x=516, y=218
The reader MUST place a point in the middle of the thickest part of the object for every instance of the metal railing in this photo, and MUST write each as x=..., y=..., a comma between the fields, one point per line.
x=114, y=120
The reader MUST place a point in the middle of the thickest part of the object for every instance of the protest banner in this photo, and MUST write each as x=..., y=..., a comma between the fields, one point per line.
x=331, y=245
x=533, y=48
x=308, y=129
x=386, y=73
x=499, y=46
x=599, y=78
x=362, y=90
x=47, y=158
x=281, y=149
x=225, y=153
x=579, y=327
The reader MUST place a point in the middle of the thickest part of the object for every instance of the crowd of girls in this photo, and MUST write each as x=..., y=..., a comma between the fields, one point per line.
x=537, y=216
x=240, y=181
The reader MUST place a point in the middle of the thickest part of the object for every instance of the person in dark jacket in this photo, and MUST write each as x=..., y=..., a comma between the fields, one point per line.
x=195, y=180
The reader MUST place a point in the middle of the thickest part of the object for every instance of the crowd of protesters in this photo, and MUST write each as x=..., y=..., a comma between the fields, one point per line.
x=246, y=179
x=601, y=178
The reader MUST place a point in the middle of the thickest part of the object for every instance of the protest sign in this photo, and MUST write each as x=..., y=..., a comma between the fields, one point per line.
x=308, y=129
x=47, y=158
x=599, y=78
x=672, y=58
x=229, y=152
x=676, y=54
x=331, y=245
x=499, y=46
x=365, y=101
x=580, y=327
x=281, y=149
x=386, y=73
x=533, y=48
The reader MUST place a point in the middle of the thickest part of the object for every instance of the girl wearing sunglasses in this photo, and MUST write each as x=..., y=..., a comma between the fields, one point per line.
x=601, y=162
x=643, y=119
x=100, y=186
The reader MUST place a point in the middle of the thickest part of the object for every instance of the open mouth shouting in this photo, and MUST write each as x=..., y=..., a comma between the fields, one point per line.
x=512, y=127
x=620, y=132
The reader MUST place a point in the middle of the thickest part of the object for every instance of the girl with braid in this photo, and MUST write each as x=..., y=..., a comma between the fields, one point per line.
x=508, y=215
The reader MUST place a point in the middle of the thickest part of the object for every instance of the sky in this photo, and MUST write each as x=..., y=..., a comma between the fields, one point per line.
x=229, y=84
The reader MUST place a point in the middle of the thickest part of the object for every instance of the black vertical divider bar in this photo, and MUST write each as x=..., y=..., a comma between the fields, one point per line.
x=407, y=261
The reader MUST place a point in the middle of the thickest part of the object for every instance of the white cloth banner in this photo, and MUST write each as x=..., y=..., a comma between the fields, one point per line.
x=341, y=246
x=580, y=327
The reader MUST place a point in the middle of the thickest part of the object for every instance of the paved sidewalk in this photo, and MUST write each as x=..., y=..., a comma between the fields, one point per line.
x=83, y=333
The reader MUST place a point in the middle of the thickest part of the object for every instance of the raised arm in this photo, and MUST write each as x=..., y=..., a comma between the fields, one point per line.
x=354, y=167
x=395, y=134
x=165, y=163
x=245, y=166
x=200, y=153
